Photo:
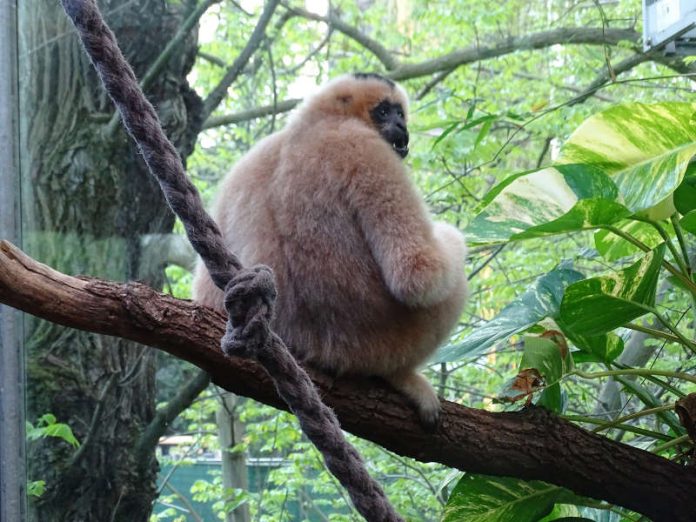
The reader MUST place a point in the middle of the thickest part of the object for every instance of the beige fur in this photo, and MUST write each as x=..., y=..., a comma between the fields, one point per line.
x=367, y=283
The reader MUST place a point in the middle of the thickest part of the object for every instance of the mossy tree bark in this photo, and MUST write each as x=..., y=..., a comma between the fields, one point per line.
x=88, y=201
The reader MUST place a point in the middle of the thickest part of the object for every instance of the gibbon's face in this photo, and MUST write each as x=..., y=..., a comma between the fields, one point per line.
x=390, y=120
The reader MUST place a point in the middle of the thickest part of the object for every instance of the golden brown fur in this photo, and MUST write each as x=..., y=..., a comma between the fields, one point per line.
x=367, y=283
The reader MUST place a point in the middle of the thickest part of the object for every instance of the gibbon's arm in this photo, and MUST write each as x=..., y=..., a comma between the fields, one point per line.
x=419, y=259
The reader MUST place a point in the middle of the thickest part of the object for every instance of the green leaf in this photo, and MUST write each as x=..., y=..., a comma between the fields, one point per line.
x=645, y=148
x=61, y=431
x=600, y=304
x=545, y=356
x=478, y=498
x=582, y=357
x=628, y=159
x=603, y=348
x=688, y=222
x=548, y=201
x=459, y=126
x=47, y=426
x=567, y=519
x=612, y=247
x=450, y=128
x=565, y=513
x=685, y=195
x=541, y=300
x=36, y=488
x=46, y=419
x=483, y=132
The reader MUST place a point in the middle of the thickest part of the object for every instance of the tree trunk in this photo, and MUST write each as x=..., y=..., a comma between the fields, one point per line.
x=87, y=202
x=234, y=470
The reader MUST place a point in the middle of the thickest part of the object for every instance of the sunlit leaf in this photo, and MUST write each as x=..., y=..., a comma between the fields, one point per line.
x=600, y=304
x=46, y=419
x=541, y=300
x=36, y=488
x=612, y=247
x=61, y=431
x=549, y=201
x=645, y=148
x=628, y=159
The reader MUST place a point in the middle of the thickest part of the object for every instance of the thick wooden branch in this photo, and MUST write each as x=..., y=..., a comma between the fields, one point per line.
x=530, y=444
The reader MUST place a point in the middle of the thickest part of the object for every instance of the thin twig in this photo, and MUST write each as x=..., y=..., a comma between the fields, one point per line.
x=234, y=70
x=332, y=20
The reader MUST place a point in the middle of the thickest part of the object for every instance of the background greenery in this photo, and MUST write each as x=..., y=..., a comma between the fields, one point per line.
x=573, y=184
x=471, y=131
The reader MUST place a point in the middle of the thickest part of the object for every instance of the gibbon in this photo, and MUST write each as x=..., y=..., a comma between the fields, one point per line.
x=367, y=283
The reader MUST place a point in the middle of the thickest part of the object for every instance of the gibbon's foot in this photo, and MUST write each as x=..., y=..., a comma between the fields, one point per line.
x=422, y=395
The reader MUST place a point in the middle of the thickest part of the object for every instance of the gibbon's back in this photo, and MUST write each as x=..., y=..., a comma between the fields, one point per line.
x=367, y=283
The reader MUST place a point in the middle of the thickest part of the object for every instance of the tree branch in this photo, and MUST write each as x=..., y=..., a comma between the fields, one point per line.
x=449, y=62
x=212, y=59
x=540, y=40
x=676, y=63
x=158, y=426
x=605, y=75
x=251, y=114
x=234, y=70
x=333, y=21
x=529, y=444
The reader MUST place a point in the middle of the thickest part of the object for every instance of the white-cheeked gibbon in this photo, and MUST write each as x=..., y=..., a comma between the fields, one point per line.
x=367, y=283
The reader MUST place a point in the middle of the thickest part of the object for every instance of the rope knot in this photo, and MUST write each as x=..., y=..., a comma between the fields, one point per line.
x=249, y=299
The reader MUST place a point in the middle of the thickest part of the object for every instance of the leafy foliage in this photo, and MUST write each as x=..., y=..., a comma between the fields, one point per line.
x=615, y=161
x=602, y=243
x=48, y=426
x=478, y=498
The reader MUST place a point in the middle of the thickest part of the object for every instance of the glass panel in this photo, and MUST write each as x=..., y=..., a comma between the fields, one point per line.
x=90, y=207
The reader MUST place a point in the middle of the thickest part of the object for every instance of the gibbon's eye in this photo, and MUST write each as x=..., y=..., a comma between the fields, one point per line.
x=382, y=111
x=400, y=113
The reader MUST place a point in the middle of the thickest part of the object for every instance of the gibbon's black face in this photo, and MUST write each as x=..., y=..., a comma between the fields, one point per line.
x=391, y=122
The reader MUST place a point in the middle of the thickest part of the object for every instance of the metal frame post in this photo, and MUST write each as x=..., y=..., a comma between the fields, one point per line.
x=12, y=437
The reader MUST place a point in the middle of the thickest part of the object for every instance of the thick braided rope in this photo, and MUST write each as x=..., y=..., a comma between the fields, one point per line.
x=249, y=293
